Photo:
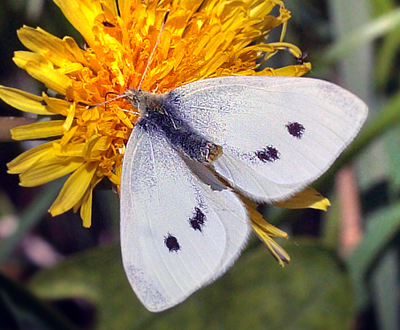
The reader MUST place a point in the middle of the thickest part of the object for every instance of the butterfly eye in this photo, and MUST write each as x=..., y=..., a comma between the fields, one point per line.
x=295, y=129
x=171, y=243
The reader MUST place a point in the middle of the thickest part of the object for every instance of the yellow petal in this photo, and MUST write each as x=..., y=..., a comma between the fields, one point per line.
x=86, y=209
x=62, y=53
x=274, y=248
x=258, y=47
x=30, y=157
x=124, y=118
x=39, y=130
x=114, y=178
x=81, y=14
x=308, y=198
x=74, y=49
x=73, y=189
x=70, y=117
x=291, y=70
x=265, y=230
x=69, y=150
x=23, y=101
x=86, y=203
x=68, y=135
x=294, y=50
x=42, y=42
x=57, y=106
x=258, y=219
x=110, y=7
x=48, y=170
x=95, y=146
x=41, y=69
x=70, y=68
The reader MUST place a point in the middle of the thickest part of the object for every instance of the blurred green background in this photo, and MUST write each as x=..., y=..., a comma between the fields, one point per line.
x=344, y=273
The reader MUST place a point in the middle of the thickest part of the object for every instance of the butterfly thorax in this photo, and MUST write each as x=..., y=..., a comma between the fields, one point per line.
x=157, y=114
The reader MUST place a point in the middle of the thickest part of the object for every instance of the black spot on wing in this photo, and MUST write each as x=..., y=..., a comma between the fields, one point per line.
x=171, y=243
x=197, y=220
x=295, y=129
x=268, y=154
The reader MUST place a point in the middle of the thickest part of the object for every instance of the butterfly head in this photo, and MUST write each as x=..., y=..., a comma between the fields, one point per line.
x=135, y=97
x=144, y=101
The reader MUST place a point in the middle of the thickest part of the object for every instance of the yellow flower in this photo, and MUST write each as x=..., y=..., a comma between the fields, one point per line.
x=202, y=38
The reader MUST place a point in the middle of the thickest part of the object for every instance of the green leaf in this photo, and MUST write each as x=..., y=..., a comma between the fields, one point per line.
x=382, y=228
x=364, y=35
x=385, y=286
x=29, y=311
x=386, y=58
x=30, y=217
x=313, y=292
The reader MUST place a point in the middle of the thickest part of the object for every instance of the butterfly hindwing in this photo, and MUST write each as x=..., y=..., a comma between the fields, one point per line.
x=277, y=133
x=179, y=230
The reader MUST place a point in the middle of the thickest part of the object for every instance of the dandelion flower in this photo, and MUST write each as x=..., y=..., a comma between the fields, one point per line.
x=201, y=39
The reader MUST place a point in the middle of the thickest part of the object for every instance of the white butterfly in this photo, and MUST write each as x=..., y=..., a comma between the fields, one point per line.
x=269, y=137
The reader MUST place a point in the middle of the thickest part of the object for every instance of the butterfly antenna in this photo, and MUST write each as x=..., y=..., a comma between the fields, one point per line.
x=106, y=101
x=154, y=49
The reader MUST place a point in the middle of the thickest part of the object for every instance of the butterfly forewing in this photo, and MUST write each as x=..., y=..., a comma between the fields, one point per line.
x=178, y=229
x=277, y=133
